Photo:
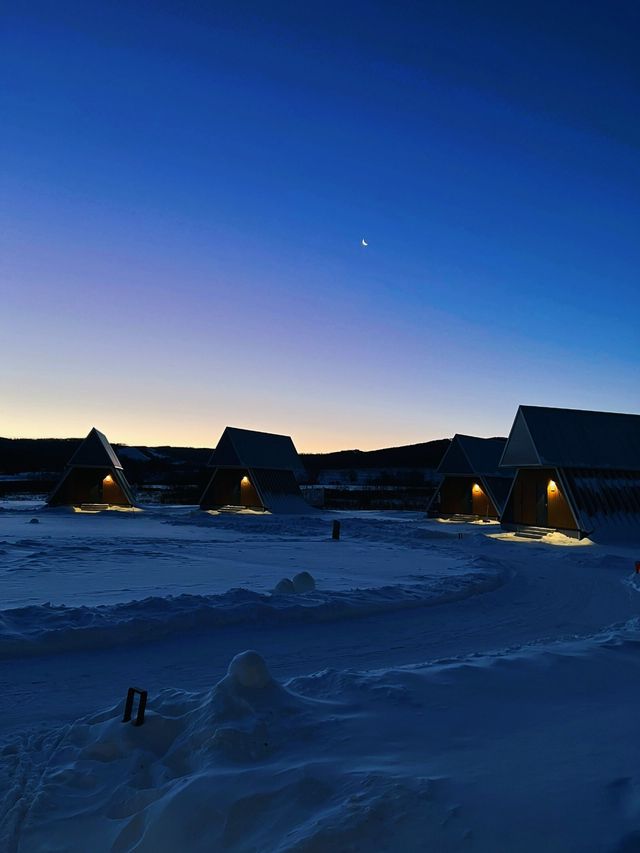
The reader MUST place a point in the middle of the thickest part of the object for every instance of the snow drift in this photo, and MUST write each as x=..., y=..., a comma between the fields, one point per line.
x=50, y=629
x=483, y=753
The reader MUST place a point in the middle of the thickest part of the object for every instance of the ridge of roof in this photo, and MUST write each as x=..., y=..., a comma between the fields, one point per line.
x=94, y=451
x=245, y=448
x=481, y=454
x=576, y=438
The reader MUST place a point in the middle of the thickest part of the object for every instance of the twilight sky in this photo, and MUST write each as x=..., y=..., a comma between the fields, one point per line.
x=184, y=189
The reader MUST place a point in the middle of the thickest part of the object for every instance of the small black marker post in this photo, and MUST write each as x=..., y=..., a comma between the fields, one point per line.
x=128, y=706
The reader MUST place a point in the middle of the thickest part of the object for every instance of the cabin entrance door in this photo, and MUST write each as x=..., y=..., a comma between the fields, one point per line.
x=541, y=505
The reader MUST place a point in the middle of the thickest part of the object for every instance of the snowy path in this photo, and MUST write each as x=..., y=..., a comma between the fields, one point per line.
x=434, y=693
x=551, y=593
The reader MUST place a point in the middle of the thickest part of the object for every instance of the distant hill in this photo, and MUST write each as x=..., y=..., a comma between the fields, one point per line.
x=18, y=455
x=185, y=464
x=425, y=455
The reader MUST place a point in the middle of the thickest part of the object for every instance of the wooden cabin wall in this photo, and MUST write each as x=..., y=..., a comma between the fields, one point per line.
x=227, y=489
x=113, y=494
x=455, y=496
x=559, y=511
x=534, y=503
x=83, y=485
x=481, y=502
x=248, y=494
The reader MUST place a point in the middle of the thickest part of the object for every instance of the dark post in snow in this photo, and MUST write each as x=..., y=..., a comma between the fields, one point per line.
x=128, y=706
x=335, y=533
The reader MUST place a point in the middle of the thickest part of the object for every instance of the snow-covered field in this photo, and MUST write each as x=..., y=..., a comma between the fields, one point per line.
x=443, y=687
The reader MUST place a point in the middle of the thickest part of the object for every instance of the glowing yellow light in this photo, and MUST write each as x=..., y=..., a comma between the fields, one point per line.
x=245, y=481
x=476, y=489
x=108, y=479
x=552, y=486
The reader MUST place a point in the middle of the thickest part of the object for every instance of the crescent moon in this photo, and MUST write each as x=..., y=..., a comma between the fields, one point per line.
x=363, y=242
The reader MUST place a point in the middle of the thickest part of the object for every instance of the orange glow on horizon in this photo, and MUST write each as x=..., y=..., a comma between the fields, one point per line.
x=203, y=431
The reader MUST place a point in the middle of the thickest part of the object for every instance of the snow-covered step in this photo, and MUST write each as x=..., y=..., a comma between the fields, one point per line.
x=93, y=507
x=533, y=532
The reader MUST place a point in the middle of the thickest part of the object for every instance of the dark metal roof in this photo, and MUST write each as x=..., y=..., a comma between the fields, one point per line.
x=122, y=481
x=279, y=491
x=95, y=452
x=498, y=489
x=573, y=438
x=468, y=454
x=246, y=448
x=604, y=498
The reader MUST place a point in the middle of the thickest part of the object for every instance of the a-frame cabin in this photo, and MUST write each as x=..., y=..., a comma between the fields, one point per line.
x=577, y=472
x=93, y=476
x=473, y=486
x=254, y=470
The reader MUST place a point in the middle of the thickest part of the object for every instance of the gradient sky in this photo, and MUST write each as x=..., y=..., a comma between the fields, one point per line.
x=185, y=187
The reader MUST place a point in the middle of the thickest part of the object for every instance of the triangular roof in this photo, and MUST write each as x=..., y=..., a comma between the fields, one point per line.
x=573, y=438
x=470, y=455
x=247, y=448
x=94, y=452
x=497, y=488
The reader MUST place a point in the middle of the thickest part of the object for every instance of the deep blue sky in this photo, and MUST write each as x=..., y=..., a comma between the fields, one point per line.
x=185, y=187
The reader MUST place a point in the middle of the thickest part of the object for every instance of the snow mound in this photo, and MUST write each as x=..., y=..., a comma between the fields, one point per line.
x=249, y=669
x=303, y=582
x=344, y=760
x=237, y=768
